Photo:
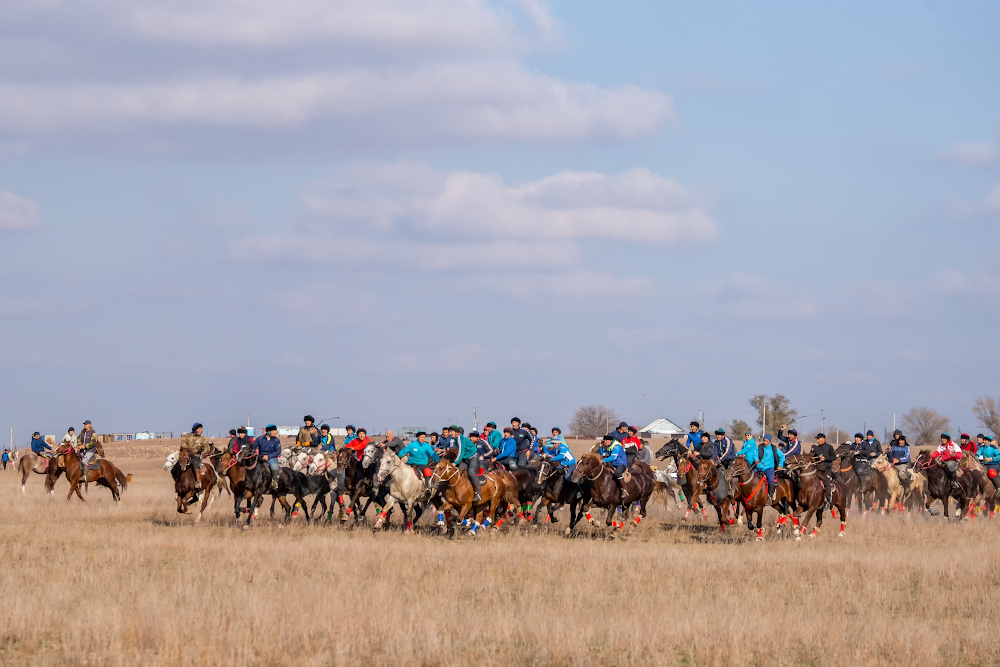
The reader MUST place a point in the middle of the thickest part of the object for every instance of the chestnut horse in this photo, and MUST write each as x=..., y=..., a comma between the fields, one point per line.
x=812, y=499
x=710, y=479
x=99, y=471
x=687, y=475
x=751, y=490
x=604, y=490
x=499, y=491
x=185, y=478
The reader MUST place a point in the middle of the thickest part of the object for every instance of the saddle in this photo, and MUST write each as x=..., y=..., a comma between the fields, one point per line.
x=94, y=465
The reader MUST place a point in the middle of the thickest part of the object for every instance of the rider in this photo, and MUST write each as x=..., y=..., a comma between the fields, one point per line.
x=468, y=460
x=483, y=447
x=989, y=456
x=419, y=454
x=559, y=453
x=823, y=455
x=724, y=449
x=507, y=454
x=620, y=433
x=198, y=446
x=523, y=439
x=86, y=444
x=241, y=440
x=790, y=446
x=765, y=458
x=873, y=446
x=492, y=435
x=269, y=448
x=39, y=447
x=899, y=453
x=326, y=441
x=631, y=445
x=949, y=454
x=308, y=434
x=706, y=449
x=867, y=451
x=351, y=431
x=359, y=443
x=967, y=445
x=611, y=452
x=693, y=441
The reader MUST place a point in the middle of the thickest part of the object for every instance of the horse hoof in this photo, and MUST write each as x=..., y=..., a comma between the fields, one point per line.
x=798, y=538
x=760, y=539
x=840, y=534
x=245, y=527
x=567, y=532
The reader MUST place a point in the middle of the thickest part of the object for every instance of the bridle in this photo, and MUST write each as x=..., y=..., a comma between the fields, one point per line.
x=451, y=476
x=399, y=462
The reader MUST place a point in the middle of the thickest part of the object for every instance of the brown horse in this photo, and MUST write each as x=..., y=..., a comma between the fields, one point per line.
x=812, y=499
x=100, y=471
x=751, y=492
x=687, y=475
x=28, y=463
x=185, y=476
x=985, y=498
x=235, y=475
x=711, y=480
x=604, y=490
x=498, y=491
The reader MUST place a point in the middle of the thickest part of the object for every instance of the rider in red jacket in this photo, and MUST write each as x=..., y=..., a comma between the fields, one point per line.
x=968, y=445
x=359, y=443
x=949, y=454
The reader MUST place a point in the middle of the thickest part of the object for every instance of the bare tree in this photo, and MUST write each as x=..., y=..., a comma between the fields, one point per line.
x=779, y=411
x=924, y=425
x=592, y=421
x=737, y=428
x=987, y=411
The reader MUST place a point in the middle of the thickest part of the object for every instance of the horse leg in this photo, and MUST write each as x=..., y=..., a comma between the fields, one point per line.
x=390, y=501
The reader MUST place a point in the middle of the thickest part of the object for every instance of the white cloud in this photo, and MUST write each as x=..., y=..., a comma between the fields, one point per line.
x=987, y=207
x=746, y=296
x=633, y=206
x=970, y=153
x=414, y=71
x=18, y=213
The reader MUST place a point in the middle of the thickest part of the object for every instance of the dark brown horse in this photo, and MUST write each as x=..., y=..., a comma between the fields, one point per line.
x=186, y=477
x=604, y=490
x=100, y=471
x=235, y=475
x=939, y=486
x=711, y=480
x=687, y=475
x=861, y=489
x=812, y=500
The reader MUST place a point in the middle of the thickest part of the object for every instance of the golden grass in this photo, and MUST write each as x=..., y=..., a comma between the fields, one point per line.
x=138, y=584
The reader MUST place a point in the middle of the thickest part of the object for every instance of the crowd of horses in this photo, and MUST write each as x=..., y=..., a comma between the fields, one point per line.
x=380, y=478
x=342, y=484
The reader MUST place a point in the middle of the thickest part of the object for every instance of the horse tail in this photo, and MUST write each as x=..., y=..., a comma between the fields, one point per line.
x=123, y=480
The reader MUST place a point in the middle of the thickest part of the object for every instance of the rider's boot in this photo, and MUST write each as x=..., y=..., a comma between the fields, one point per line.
x=771, y=491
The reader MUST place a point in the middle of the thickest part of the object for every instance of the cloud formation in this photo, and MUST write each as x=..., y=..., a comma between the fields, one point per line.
x=420, y=71
x=970, y=153
x=18, y=214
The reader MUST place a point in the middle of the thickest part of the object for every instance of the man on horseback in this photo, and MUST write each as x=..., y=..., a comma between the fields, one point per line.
x=765, y=458
x=989, y=456
x=965, y=442
x=632, y=446
x=724, y=449
x=611, y=452
x=199, y=446
x=39, y=447
x=949, y=454
x=86, y=445
x=240, y=441
x=506, y=456
x=899, y=454
x=269, y=448
x=867, y=451
x=523, y=439
x=823, y=456
x=559, y=453
x=419, y=453
x=693, y=441
x=308, y=434
x=468, y=460
x=790, y=446
x=326, y=441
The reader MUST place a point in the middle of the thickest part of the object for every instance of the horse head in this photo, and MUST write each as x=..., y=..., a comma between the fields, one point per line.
x=740, y=467
x=184, y=458
x=171, y=461
x=588, y=466
x=668, y=449
x=370, y=456
x=881, y=463
x=386, y=466
x=705, y=470
x=343, y=458
x=545, y=465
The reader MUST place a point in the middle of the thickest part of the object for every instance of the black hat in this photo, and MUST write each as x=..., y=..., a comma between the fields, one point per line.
x=474, y=434
x=35, y=433
x=633, y=429
x=705, y=434
x=515, y=419
x=695, y=424
x=871, y=433
x=420, y=433
x=309, y=418
x=241, y=429
x=232, y=431
x=70, y=429
x=859, y=435
x=821, y=435
x=980, y=435
x=86, y=421
x=792, y=431
x=362, y=430
x=897, y=433
x=556, y=428
x=324, y=427
x=197, y=425
x=493, y=424
x=901, y=437
x=608, y=437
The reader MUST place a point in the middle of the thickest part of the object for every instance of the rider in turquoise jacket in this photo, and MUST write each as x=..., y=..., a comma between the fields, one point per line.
x=612, y=452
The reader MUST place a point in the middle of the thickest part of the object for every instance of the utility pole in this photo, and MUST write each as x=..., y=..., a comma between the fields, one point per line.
x=475, y=422
x=822, y=421
x=893, y=422
x=248, y=421
x=763, y=421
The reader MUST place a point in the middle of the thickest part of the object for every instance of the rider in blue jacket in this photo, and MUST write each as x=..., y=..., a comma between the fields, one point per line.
x=269, y=448
x=507, y=455
x=39, y=446
x=420, y=453
x=763, y=457
x=899, y=456
x=693, y=441
x=989, y=456
x=467, y=459
x=559, y=453
x=611, y=451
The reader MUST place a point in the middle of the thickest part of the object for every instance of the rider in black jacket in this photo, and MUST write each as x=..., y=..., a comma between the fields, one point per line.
x=824, y=455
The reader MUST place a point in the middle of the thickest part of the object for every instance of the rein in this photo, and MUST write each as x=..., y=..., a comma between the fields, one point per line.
x=445, y=479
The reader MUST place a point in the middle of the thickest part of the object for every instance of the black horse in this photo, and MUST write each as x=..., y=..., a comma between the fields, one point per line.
x=557, y=490
x=258, y=484
x=939, y=486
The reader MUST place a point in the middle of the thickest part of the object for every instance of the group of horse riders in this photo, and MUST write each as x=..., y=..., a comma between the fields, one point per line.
x=86, y=443
x=768, y=458
x=513, y=447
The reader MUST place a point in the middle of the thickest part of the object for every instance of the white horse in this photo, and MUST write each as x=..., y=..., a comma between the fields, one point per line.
x=404, y=486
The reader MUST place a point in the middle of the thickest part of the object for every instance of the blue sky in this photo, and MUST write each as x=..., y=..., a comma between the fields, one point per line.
x=392, y=212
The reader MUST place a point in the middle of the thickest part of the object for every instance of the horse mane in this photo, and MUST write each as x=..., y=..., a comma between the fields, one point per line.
x=450, y=455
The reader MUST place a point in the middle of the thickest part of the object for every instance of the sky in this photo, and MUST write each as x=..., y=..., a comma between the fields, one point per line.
x=391, y=213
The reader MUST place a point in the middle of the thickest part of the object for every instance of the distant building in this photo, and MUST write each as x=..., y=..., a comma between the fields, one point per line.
x=661, y=428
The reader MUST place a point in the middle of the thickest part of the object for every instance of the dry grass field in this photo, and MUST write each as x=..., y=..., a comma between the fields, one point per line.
x=98, y=584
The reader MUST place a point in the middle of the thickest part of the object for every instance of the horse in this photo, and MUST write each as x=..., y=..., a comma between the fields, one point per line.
x=258, y=484
x=499, y=490
x=858, y=488
x=558, y=490
x=751, y=490
x=687, y=475
x=185, y=477
x=529, y=490
x=404, y=485
x=985, y=497
x=604, y=492
x=99, y=471
x=235, y=474
x=939, y=486
x=710, y=478
x=295, y=483
x=665, y=485
x=32, y=463
x=894, y=490
x=812, y=499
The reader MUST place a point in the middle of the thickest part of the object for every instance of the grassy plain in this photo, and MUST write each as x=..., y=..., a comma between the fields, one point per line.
x=139, y=584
